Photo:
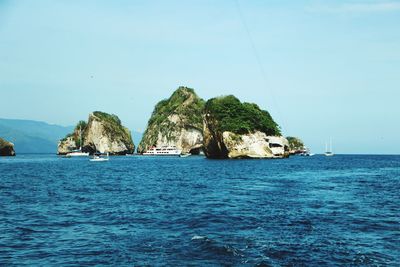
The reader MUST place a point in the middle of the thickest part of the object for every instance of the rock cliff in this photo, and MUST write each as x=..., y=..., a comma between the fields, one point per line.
x=6, y=148
x=241, y=130
x=176, y=121
x=103, y=133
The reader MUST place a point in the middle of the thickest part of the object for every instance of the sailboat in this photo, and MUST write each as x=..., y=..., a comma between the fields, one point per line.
x=78, y=152
x=329, y=152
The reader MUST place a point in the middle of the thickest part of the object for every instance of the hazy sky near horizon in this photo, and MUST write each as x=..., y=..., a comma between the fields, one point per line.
x=321, y=68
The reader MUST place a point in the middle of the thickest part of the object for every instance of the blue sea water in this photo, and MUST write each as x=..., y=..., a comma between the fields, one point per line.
x=145, y=211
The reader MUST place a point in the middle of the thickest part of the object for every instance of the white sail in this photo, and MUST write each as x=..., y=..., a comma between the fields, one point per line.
x=328, y=152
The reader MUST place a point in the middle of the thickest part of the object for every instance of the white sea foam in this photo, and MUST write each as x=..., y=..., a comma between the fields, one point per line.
x=198, y=237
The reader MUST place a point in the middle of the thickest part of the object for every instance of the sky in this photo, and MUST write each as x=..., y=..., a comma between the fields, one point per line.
x=323, y=69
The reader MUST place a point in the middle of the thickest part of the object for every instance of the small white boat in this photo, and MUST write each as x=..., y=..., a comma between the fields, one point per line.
x=99, y=158
x=163, y=151
x=185, y=155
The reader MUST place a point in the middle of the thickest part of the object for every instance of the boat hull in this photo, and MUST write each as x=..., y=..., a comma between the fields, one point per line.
x=163, y=151
x=98, y=160
x=161, y=155
x=79, y=154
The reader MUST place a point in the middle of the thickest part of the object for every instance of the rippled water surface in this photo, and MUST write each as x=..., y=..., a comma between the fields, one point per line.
x=135, y=211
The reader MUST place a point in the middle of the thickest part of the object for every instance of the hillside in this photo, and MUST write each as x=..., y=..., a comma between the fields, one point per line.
x=31, y=136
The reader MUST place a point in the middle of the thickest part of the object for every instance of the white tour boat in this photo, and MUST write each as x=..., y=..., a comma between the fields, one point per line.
x=163, y=151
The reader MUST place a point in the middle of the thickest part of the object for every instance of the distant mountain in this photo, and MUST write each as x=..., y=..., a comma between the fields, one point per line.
x=38, y=137
x=32, y=136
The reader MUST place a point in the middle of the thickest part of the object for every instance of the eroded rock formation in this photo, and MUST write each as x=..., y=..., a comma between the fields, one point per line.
x=241, y=130
x=102, y=133
x=176, y=121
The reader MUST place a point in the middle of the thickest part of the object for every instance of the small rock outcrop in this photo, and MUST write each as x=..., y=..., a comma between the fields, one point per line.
x=176, y=121
x=73, y=140
x=296, y=145
x=241, y=130
x=6, y=148
x=102, y=133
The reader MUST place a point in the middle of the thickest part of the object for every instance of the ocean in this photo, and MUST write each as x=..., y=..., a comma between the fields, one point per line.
x=148, y=211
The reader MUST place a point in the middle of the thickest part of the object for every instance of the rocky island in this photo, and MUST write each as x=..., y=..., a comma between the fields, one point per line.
x=102, y=133
x=241, y=130
x=176, y=121
x=296, y=145
x=6, y=148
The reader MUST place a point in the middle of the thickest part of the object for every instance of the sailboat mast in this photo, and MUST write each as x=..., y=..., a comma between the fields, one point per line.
x=80, y=137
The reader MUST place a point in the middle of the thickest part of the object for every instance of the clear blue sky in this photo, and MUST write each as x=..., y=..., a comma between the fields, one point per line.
x=322, y=68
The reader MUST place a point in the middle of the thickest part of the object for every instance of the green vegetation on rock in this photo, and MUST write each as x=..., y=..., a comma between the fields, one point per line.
x=110, y=118
x=80, y=126
x=295, y=143
x=180, y=103
x=240, y=118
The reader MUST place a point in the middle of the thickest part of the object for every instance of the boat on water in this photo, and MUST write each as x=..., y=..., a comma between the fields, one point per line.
x=185, y=155
x=78, y=152
x=306, y=153
x=328, y=152
x=163, y=151
x=99, y=157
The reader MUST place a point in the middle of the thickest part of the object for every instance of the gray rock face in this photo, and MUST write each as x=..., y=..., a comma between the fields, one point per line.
x=107, y=136
x=6, y=148
x=66, y=145
x=254, y=145
x=251, y=145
